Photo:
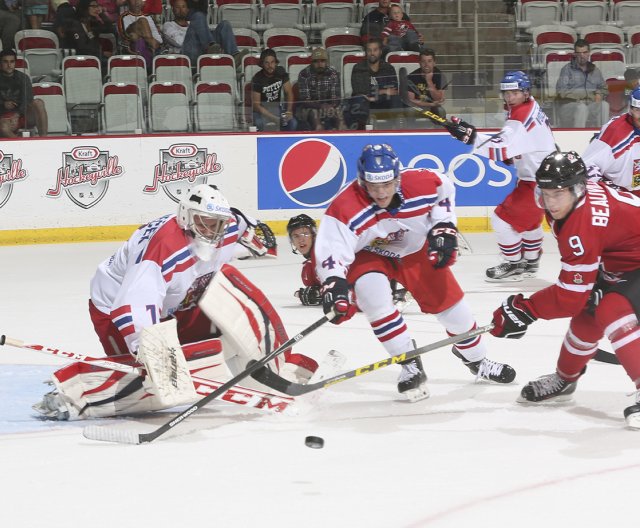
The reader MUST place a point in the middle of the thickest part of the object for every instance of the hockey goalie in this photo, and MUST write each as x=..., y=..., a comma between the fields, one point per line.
x=166, y=374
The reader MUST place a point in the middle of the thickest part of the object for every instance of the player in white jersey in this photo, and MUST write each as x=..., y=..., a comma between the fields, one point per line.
x=614, y=154
x=391, y=224
x=525, y=140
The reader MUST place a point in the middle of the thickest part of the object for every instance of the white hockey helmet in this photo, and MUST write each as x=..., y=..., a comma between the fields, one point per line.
x=204, y=212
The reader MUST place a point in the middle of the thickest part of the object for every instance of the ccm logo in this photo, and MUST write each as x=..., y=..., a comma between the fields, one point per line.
x=85, y=153
x=183, y=151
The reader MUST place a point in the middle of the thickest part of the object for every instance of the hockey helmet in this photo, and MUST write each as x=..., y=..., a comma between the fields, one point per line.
x=378, y=164
x=634, y=98
x=301, y=220
x=561, y=169
x=515, y=80
x=204, y=212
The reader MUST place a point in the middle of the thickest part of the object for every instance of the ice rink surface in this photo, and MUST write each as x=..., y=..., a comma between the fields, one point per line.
x=467, y=456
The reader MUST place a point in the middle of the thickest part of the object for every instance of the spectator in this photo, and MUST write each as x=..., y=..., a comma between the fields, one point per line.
x=139, y=32
x=200, y=39
x=400, y=34
x=267, y=87
x=374, y=87
x=9, y=24
x=376, y=20
x=84, y=31
x=18, y=107
x=65, y=15
x=111, y=8
x=619, y=91
x=427, y=84
x=581, y=89
x=320, y=98
x=35, y=12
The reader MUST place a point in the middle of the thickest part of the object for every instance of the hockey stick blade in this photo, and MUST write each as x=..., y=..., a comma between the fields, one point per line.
x=606, y=357
x=273, y=381
x=108, y=434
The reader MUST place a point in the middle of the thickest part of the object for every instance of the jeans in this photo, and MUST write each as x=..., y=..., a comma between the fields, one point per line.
x=259, y=120
x=199, y=36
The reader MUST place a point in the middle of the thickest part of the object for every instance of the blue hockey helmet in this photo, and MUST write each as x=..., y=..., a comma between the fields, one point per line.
x=634, y=98
x=378, y=164
x=515, y=80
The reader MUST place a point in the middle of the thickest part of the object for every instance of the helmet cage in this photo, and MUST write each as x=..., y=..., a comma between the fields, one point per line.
x=205, y=213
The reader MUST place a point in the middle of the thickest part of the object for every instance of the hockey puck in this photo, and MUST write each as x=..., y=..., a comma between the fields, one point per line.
x=314, y=442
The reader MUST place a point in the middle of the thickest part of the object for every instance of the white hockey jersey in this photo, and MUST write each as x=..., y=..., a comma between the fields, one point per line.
x=155, y=274
x=526, y=139
x=616, y=153
x=353, y=223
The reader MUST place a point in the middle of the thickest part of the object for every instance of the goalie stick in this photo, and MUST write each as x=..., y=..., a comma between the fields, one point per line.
x=73, y=356
x=108, y=434
x=403, y=88
x=273, y=381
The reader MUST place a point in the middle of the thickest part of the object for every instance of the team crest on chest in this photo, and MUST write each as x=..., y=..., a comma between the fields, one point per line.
x=577, y=278
x=396, y=236
x=635, y=177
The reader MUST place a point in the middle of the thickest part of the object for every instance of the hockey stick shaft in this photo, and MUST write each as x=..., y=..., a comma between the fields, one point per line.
x=606, y=357
x=72, y=356
x=274, y=381
x=108, y=435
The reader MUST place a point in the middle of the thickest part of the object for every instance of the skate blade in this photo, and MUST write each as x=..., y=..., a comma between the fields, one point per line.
x=633, y=421
x=417, y=394
x=512, y=278
x=549, y=401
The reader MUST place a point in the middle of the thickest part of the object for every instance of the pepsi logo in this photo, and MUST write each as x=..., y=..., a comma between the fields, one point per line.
x=312, y=171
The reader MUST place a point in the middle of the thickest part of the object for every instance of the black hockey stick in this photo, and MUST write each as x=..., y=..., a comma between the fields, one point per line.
x=108, y=434
x=403, y=88
x=606, y=357
x=273, y=381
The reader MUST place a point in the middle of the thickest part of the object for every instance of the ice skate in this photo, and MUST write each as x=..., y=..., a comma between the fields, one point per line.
x=531, y=268
x=52, y=407
x=486, y=369
x=550, y=387
x=632, y=414
x=506, y=272
x=412, y=381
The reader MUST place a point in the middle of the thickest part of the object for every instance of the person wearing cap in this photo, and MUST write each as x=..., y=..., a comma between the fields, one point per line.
x=581, y=90
x=319, y=101
x=614, y=154
x=523, y=142
x=268, y=87
x=394, y=224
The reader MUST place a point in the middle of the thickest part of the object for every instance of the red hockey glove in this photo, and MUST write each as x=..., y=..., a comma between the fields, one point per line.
x=336, y=297
x=443, y=245
x=512, y=319
x=461, y=130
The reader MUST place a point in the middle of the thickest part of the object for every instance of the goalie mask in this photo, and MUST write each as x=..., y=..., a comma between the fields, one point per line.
x=204, y=213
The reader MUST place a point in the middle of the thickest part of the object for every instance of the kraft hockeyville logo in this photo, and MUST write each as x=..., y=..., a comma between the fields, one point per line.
x=85, y=175
x=181, y=167
x=11, y=172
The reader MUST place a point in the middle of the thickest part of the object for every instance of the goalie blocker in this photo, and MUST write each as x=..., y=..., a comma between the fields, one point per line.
x=177, y=375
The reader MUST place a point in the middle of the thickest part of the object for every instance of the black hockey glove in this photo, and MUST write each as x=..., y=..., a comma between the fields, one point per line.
x=594, y=299
x=443, y=245
x=461, y=130
x=512, y=319
x=336, y=297
x=309, y=296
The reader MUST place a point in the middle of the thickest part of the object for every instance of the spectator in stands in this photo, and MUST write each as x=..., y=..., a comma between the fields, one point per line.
x=375, y=21
x=319, y=100
x=200, y=39
x=619, y=91
x=139, y=32
x=111, y=8
x=581, y=90
x=267, y=87
x=83, y=32
x=427, y=84
x=35, y=11
x=374, y=85
x=18, y=108
x=65, y=16
x=400, y=34
x=9, y=24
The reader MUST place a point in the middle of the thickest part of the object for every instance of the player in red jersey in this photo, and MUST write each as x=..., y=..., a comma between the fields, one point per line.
x=391, y=224
x=598, y=233
x=525, y=140
x=614, y=154
x=302, y=235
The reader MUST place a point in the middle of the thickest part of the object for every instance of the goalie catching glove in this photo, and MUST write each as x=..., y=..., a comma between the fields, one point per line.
x=309, y=296
x=443, y=245
x=337, y=298
x=513, y=318
x=461, y=130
